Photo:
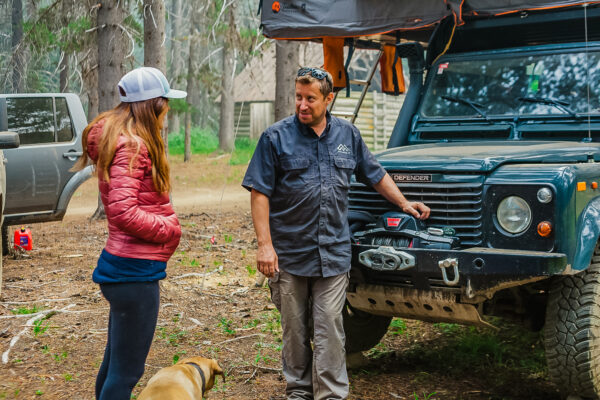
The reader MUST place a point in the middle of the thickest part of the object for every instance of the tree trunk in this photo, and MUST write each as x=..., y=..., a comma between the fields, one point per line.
x=226, y=139
x=63, y=85
x=111, y=54
x=177, y=62
x=287, y=61
x=155, y=53
x=17, y=37
x=187, y=155
x=192, y=82
x=64, y=74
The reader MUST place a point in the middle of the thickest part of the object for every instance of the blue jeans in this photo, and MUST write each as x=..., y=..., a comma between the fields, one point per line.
x=131, y=325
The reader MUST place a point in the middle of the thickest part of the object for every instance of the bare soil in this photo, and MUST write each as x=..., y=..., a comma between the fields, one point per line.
x=210, y=306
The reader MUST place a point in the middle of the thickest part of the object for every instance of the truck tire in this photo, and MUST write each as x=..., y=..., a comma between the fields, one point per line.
x=572, y=332
x=4, y=239
x=363, y=330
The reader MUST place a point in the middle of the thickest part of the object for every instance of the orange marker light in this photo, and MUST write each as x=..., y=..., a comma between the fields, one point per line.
x=544, y=229
x=276, y=7
x=594, y=185
x=581, y=186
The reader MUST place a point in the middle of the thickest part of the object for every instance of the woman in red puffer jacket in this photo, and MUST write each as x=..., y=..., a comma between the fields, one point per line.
x=126, y=147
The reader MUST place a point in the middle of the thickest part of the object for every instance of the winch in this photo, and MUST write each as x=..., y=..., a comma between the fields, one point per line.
x=397, y=230
x=393, y=232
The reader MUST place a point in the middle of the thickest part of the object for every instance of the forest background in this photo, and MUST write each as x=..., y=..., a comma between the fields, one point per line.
x=85, y=47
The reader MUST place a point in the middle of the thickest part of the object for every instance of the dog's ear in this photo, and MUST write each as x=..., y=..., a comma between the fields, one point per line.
x=217, y=370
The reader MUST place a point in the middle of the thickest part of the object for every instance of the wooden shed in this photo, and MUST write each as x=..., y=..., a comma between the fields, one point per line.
x=254, y=93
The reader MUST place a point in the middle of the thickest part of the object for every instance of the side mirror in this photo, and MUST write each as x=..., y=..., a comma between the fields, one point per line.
x=9, y=140
x=413, y=52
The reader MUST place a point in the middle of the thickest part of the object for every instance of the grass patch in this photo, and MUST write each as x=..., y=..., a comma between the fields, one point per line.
x=206, y=142
x=465, y=347
x=203, y=142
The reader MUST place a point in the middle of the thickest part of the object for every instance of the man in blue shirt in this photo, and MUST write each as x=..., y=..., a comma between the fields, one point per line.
x=299, y=177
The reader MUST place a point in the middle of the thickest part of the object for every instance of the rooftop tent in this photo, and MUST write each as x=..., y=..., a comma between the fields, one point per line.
x=298, y=19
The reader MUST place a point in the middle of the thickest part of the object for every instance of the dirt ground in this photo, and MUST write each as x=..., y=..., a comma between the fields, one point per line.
x=210, y=307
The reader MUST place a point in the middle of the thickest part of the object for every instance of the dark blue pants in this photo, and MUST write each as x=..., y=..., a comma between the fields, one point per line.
x=131, y=325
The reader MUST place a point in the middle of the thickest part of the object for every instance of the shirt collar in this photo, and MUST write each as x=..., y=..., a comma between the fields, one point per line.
x=308, y=131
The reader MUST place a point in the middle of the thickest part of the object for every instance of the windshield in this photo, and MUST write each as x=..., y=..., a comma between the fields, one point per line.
x=516, y=84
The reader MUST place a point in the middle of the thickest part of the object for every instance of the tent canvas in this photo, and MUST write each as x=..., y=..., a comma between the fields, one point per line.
x=296, y=19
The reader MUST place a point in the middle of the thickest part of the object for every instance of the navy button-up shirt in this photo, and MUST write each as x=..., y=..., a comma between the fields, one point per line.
x=307, y=178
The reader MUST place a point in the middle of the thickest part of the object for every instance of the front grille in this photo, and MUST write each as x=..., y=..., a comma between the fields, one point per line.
x=456, y=205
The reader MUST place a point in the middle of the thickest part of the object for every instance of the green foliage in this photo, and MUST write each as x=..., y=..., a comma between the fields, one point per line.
x=178, y=106
x=244, y=148
x=397, y=327
x=226, y=325
x=177, y=356
x=172, y=336
x=476, y=349
x=251, y=270
x=425, y=396
x=203, y=142
x=26, y=310
x=39, y=327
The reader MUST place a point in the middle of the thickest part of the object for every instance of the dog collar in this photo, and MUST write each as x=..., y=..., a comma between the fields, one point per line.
x=201, y=374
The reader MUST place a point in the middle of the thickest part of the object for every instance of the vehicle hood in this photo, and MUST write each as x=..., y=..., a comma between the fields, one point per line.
x=485, y=156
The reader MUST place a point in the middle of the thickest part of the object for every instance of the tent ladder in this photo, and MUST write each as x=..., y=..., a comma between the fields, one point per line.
x=365, y=87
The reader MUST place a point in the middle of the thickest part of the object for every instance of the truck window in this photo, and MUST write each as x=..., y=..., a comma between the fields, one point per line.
x=64, y=128
x=32, y=118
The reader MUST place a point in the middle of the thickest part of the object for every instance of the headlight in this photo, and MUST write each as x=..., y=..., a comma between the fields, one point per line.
x=514, y=214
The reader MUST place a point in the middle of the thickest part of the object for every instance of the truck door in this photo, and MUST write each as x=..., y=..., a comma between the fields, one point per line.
x=38, y=170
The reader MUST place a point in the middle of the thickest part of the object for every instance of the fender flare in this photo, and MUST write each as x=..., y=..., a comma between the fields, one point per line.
x=75, y=181
x=587, y=233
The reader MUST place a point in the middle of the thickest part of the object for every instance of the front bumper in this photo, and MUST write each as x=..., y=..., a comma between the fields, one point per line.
x=474, y=271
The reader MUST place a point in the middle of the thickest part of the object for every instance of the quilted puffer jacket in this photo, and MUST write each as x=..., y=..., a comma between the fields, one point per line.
x=141, y=221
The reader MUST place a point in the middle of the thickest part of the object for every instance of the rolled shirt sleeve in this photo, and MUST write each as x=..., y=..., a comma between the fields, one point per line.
x=260, y=174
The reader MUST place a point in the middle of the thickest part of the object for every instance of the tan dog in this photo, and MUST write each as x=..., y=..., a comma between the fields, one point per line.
x=183, y=381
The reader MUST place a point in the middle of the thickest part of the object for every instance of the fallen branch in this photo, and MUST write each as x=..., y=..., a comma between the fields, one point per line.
x=251, y=376
x=35, y=301
x=239, y=338
x=198, y=274
x=268, y=369
x=41, y=315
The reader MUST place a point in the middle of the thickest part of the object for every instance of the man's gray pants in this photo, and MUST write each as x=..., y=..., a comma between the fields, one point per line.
x=320, y=372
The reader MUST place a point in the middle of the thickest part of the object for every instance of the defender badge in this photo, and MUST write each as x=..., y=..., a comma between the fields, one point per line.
x=409, y=178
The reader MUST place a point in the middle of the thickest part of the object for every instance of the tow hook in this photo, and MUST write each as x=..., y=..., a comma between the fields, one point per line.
x=449, y=263
x=386, y=258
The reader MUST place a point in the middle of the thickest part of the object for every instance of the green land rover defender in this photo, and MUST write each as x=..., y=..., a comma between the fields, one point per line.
x=499, y=135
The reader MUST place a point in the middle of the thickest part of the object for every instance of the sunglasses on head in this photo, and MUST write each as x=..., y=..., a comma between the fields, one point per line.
x=314, y=72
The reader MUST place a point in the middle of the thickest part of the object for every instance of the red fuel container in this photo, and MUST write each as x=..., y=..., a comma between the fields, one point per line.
x=23, y=239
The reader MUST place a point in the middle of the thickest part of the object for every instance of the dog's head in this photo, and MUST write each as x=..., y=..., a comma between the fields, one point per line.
x=210, y=367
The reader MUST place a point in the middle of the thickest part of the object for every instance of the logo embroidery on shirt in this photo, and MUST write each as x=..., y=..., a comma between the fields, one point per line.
x=342, y=148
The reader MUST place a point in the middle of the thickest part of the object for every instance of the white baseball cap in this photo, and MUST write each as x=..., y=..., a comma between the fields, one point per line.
x=146, y=83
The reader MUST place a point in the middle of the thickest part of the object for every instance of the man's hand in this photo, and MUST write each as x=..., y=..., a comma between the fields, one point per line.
x=388, y=189
x=266, y=260
x=416, y=209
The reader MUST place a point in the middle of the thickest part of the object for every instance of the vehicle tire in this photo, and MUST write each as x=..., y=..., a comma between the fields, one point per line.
x=572, y=332
x=4, y=239
x=363, y=330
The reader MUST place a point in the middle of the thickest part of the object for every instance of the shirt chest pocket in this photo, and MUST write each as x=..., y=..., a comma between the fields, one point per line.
x=344, y=167
x=297, y=171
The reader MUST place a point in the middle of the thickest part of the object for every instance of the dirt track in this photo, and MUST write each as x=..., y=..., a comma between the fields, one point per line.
x=210, y=307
